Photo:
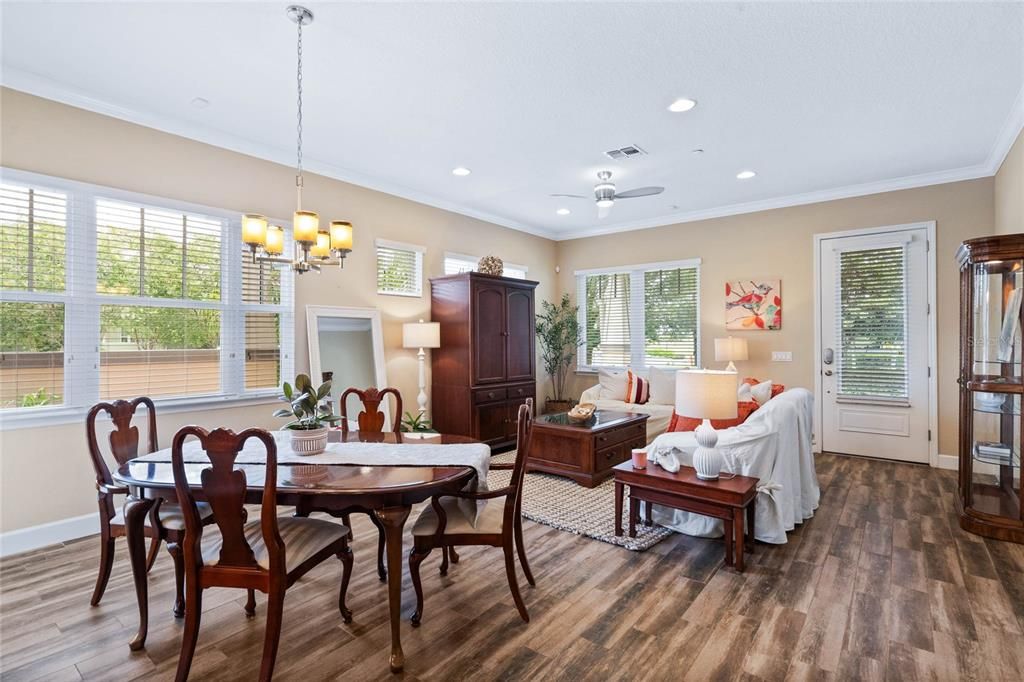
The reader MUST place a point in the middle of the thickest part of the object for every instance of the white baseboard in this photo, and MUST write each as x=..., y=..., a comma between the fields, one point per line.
x=948, y=462
x=55, y=532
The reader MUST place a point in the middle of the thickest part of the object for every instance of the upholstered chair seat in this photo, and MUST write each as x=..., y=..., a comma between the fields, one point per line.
x=302, y=539
x=171, y=516
x=459, y=518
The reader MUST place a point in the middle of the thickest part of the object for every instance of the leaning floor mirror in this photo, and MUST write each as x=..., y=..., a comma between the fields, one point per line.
x=349, y=344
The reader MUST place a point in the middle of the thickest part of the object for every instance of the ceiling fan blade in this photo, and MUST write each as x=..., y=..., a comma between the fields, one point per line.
x=639, y=192
x=603, y=211
x=569, y=196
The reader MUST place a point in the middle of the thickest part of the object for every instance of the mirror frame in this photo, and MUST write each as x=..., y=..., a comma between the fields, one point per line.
x=313, y=315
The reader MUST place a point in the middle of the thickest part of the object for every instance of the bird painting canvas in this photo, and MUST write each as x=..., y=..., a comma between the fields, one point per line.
x=753, y=304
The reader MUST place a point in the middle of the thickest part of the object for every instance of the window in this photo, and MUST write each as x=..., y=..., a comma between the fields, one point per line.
x=872, y=323
x=33, y=274
x=106, y=294
x=641, y=316
x=454, y=263
x=399, y=268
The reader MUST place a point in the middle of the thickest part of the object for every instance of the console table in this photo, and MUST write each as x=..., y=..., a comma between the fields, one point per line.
x=729, y=499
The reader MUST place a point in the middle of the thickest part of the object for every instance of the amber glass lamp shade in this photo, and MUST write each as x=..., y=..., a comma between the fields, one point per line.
x=305, y=226
x=341, y=235
x=275, y=241
x=254, y=229
x=322, y=247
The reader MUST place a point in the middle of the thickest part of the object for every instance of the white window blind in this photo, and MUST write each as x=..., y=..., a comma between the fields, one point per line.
x=670, y=317
x=455, y=263
x=871, y=323
x=399, y=269
x=641, y=316
x=109, y=294
x=33, y=227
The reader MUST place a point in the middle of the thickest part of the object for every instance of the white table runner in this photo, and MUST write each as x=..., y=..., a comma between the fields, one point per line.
x=476, y=455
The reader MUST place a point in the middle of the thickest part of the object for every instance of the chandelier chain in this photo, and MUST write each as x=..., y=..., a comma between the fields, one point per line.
x=298, y=80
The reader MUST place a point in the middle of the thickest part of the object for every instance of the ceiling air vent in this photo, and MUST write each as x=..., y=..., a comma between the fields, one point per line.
x=624, y=152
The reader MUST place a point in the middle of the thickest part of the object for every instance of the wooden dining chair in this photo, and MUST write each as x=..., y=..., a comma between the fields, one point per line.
x=165, y=524
x=446, y=524
x=268, y=555
x=370, y=420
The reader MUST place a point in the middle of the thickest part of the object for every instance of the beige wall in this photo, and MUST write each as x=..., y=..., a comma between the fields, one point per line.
x=1009, y=190
x=780, y=243
x=54, y=139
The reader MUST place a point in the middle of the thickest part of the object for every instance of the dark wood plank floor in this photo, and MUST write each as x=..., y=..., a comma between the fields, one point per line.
x=881, y=584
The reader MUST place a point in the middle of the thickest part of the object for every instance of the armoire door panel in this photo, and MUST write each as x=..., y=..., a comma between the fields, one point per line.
x=491, y=422
x=520, y=334
x=488, y=333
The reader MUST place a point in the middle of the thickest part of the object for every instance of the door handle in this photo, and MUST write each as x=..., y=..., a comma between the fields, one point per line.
x=828, y=372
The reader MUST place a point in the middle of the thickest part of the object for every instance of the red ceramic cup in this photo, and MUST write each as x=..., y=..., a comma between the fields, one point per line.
x=639, y=459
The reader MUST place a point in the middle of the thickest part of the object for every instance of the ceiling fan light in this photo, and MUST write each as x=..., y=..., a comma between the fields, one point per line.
x=605, y=203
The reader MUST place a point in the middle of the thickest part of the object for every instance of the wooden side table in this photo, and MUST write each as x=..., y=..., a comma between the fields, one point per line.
x=729, y=499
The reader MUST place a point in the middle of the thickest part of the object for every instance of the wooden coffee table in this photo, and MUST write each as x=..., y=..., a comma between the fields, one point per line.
x=585, y=452
x=729, y=499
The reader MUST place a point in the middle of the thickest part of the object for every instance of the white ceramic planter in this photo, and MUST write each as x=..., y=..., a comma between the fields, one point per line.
x=309, y=441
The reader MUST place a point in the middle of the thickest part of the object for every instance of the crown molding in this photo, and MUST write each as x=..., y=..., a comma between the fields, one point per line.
x=847, y=192
x=24, y=81
x=33, y=84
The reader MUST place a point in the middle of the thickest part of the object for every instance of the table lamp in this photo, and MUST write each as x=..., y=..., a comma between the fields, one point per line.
x=729, y=349
x=421, y=335
x=706, y=394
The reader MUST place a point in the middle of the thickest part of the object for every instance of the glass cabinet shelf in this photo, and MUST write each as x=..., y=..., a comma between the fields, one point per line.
x=1011, y=459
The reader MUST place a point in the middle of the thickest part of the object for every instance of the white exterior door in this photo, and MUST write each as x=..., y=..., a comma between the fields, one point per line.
x=874, y=344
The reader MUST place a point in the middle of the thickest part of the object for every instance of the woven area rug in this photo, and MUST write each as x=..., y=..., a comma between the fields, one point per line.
x=562, y=503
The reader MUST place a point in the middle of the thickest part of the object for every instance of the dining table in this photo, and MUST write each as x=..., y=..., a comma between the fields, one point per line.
x=386, y=490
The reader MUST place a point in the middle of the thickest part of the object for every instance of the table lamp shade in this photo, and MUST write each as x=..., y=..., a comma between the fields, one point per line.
x=729, y=349
x=421, y=335
x=706, y=394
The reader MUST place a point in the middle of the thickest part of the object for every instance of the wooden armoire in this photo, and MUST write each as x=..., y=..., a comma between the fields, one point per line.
x=486, y=365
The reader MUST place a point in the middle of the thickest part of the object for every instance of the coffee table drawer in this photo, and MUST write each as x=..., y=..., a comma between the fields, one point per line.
x=606, y=439
x=608, y=457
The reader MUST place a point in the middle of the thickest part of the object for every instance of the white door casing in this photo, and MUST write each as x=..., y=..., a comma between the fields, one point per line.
x=888, y=413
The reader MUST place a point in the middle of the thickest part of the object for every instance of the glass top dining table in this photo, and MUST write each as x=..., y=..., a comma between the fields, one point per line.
x=386, y=491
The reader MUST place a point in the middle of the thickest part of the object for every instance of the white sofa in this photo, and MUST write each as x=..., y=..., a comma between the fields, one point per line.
x=660, y=414
x=774, y=445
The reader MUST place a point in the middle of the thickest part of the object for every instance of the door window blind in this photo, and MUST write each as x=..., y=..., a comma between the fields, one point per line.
x=641, y=316
x=399, y=269
x=670, y=317
x=871, y=323
x=33, y=267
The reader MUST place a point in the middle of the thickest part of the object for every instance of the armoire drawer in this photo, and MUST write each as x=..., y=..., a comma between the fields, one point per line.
x=489, y=395
x=522, y=391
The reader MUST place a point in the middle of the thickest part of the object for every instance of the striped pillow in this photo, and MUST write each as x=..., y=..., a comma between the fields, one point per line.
x=638, y=389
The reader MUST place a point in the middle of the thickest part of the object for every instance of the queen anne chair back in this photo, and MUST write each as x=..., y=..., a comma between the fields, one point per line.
x=371, y=419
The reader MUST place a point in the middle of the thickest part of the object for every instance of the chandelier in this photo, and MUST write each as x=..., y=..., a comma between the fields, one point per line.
x=317, y=247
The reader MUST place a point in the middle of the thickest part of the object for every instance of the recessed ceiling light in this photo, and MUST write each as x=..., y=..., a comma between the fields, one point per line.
x=745, y=175
x=563, y=211
x=200, y=102
x=682, y=104
x=461, y=171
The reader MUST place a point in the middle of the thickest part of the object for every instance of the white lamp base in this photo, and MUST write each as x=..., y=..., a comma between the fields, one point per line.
x=707, y=460
x=421, y=399
x=730, y=367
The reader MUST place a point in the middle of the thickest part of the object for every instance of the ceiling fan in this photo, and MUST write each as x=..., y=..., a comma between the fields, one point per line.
x=605, y=194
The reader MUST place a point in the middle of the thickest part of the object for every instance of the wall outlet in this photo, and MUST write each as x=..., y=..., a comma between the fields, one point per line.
x=782, y=356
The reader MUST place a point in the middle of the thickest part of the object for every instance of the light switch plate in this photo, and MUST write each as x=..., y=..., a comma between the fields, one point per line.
x=782, y=356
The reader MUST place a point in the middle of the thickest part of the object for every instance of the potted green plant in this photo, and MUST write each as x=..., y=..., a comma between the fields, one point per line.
x=559, y=335
x=417, y=426
x=311, y=418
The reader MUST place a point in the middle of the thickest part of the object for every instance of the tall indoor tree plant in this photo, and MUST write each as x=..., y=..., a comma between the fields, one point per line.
x=559, y=334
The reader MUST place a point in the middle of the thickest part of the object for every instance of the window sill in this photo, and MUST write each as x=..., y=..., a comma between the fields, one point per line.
x=12, y=419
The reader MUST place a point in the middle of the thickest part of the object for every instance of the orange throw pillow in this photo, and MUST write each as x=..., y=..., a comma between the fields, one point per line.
x=743, y=411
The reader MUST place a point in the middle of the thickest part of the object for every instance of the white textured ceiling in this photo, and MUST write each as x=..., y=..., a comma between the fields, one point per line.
x=820, y=99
